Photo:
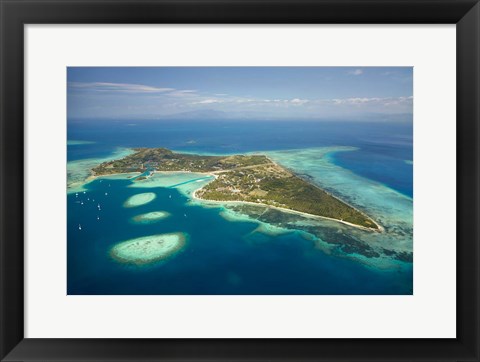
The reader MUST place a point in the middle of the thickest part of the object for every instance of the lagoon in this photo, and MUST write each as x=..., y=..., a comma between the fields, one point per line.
x=230, y=251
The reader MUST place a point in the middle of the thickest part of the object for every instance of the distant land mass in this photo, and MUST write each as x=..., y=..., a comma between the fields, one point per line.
x=218, y=115
x=243, y=178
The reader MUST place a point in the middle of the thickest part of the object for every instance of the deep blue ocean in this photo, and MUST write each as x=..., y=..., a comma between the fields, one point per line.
x=222, y=256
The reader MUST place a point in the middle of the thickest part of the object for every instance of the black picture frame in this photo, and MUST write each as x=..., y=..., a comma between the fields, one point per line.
x=17, y=13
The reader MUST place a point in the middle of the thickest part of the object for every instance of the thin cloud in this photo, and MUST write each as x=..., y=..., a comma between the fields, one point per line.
x=209, y=101
x=165, y=100
x=374, y=100
x=356, y=72
x=118, y=87
x=299, y=102
x=183, y=93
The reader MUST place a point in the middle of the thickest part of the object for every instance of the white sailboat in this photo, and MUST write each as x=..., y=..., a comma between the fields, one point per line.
x=79, y=227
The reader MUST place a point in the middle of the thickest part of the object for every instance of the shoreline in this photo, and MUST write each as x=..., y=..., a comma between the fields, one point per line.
x=94, y=177
x=380, y=228
x=215, y=175
x=304, y=214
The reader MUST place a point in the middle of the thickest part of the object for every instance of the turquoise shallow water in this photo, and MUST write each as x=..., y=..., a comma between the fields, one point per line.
x=220, y=257
x=391, y=209
x=233, y=249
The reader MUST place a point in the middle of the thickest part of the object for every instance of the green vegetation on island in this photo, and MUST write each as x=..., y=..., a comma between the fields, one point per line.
x=162, y=159
x=245, y=178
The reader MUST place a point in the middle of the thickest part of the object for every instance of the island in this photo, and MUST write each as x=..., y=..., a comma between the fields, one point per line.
x=252, y=178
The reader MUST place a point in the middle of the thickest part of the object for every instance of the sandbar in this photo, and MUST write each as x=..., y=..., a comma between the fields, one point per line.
x=140, y=199
x=148, y=249
x=150, y=217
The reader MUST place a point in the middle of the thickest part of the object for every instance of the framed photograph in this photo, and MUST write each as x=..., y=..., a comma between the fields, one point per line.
x=251, y=181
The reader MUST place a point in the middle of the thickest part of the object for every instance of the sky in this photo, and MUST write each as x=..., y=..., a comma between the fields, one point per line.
x=310, y=93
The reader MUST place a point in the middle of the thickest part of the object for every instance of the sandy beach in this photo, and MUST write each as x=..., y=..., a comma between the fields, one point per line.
x=215, y=175
x=310, y=216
